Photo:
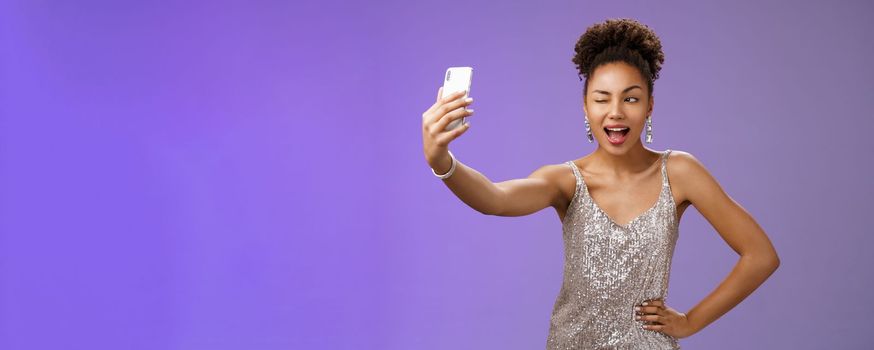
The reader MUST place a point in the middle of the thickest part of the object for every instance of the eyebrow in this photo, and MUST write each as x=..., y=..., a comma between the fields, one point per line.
x=626, y=90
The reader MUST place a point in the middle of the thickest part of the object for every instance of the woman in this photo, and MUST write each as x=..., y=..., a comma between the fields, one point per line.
x=620, y=206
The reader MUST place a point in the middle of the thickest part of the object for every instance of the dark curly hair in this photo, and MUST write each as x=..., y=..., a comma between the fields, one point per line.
x=620, y=39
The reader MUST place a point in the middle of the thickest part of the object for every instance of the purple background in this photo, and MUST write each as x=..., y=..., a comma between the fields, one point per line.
x=250, y=175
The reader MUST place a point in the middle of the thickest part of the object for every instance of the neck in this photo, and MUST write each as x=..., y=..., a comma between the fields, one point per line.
x=636, y=160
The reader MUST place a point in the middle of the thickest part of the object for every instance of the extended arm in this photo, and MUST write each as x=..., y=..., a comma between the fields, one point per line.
x=515, y=197
x=509, y=198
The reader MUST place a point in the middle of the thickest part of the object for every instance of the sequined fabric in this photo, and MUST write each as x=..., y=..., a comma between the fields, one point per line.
x=609, y=269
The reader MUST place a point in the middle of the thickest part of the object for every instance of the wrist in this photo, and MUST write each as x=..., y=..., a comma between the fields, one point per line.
x=693, y=324
x=445, y=175
x=442, y=164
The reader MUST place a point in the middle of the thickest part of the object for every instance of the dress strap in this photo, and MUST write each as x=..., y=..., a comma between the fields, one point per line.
x=577, y=175
x=665, y=165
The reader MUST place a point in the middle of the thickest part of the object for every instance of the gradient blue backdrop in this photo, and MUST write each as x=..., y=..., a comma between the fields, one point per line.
x=250, y=174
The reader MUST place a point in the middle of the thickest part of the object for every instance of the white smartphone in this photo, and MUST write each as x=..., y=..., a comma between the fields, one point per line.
x=457, y=79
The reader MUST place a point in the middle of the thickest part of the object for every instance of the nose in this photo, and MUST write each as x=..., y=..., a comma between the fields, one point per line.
x=616, y=111
x=615, y=114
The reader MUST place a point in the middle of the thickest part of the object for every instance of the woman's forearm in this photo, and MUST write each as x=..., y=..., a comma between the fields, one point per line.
x=472, y=187
x=747, y=275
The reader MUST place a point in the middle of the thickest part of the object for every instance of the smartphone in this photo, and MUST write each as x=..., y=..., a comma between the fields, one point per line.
x=457, y=79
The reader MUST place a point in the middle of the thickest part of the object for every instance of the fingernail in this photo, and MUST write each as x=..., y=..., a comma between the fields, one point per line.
x=469, y=99
x=645, y=303
x=637, y=308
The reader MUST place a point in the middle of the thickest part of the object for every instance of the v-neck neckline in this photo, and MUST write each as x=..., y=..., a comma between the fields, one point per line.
x=639, y=216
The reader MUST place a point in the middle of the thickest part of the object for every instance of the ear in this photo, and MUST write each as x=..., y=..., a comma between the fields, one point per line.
x=651, y=103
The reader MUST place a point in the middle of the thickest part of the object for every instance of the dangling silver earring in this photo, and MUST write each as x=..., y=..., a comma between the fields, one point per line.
x=649, y=129
x=589, y=132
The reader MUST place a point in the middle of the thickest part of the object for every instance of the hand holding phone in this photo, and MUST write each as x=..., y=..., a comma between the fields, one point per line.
x=457, y=79
x=450, y=108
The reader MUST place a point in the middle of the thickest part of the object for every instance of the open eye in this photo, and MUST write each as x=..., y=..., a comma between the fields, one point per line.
x=635, y=99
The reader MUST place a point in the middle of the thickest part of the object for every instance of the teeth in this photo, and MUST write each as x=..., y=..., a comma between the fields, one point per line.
x=616, y=129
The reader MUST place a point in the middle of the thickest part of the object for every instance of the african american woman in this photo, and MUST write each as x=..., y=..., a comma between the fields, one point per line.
x=620, y=205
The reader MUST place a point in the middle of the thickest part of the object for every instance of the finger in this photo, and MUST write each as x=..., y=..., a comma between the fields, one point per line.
x=452, y=135
x=651, y=318
x=452, y=116
x=452, y=96
x=648, y=309
x=452, y=106
x=651, y=310
x=440, y=99
x=654, y=327
x=436, y=103
x=652, y=304
x=436, y=112
x=655, y=302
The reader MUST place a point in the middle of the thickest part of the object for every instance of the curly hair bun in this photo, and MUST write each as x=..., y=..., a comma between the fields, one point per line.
x=620, y=39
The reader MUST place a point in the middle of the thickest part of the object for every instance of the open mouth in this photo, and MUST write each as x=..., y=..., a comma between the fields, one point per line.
x=616, y=135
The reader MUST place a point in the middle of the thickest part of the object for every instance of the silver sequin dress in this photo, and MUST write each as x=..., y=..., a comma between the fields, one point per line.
x=609, y=269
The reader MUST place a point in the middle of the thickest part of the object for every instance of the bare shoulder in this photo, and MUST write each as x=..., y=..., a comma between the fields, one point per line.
x=689, y=177
x=560, y=177
x=681, y=162
x=551, y=171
